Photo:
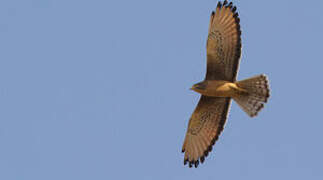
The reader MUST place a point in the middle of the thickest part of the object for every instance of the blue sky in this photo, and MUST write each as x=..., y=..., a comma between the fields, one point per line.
x=99, y=90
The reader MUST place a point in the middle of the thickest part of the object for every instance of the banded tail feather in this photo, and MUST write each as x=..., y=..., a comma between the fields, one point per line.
x=257, y=93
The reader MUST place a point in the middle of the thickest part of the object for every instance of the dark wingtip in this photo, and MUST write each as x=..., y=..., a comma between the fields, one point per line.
x=219, y=4
x=196, y=163
x=190, y=164
x=206, y=153
x=238, y=21
x=210, y=148
x=230, y=5
x=185, y=161
x=225, y=2
x=202, y=159
x=213, y=141
x=236, y=15
x=239, y=34
x=234, y=9
x=260, y=107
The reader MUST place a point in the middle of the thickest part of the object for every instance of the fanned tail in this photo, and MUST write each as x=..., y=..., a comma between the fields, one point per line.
x=257, y=93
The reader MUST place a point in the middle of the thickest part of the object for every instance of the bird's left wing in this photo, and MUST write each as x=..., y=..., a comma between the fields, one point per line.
x=204, y=128
x=223, y=43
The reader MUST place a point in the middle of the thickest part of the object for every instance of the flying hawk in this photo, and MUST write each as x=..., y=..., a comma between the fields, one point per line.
x=220, y=85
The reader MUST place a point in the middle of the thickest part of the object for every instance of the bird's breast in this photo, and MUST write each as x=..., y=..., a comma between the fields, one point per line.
x=220, y=89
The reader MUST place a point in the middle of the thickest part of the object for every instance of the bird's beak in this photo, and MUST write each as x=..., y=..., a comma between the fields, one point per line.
x=191, y=88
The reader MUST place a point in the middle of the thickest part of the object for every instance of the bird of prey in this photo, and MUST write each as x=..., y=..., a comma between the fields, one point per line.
x=220, y=86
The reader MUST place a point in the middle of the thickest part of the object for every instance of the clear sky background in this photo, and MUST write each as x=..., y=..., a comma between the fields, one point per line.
x=100, y=90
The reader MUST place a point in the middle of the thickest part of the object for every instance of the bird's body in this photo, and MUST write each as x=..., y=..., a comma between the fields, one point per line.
x=220, y=86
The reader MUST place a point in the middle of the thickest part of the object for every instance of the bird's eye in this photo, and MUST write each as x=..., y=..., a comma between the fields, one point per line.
x=200, y=86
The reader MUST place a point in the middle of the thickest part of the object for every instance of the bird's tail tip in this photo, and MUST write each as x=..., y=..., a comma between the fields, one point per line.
x=253, y=101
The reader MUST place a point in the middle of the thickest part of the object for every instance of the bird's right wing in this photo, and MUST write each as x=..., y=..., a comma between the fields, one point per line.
x=204, y=128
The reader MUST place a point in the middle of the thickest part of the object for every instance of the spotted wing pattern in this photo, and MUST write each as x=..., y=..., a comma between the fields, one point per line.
x=204, y=128
x=223, y=43
x=223, y=54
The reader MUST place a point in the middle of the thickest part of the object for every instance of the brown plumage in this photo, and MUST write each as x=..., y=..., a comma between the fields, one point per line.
x=219, y=86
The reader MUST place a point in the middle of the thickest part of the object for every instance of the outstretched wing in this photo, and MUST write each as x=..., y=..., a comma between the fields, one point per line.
x=223, y=55
x=223, y=43
x=204, y=128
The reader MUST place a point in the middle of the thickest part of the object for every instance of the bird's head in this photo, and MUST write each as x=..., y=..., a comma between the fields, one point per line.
x=199, y=87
